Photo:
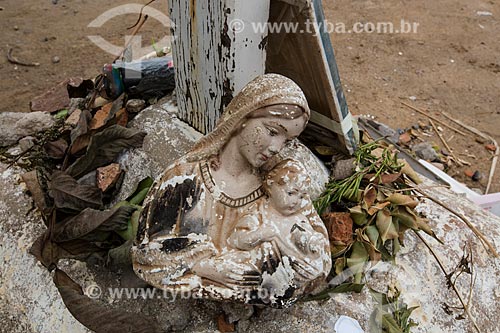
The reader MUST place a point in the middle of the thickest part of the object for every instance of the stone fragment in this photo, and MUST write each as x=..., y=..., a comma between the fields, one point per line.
x=56, y=98
x=490, y=147
x=73, y=118
x=75, y=104
x=16, y=125
x=468, y=173
x=135, y=105
x=445, y=152
x=477, y=176
x=440, y=166
x=89, y=179
x=339, y=227
x=100, y=116
x=344, y=168
x=405, y=138
x=425, y=151
x=26, y=143
x=108, y=176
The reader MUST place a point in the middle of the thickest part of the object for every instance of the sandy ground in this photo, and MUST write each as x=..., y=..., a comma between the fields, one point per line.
x=451, y=63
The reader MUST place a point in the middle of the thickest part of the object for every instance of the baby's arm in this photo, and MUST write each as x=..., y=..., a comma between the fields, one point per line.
x=249, y=232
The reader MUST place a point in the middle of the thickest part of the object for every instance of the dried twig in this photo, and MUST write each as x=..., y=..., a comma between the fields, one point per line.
x=478, y=233
x=414, y=187
x=465, y=306
x=457, y=160
x=134, y=32
x=16, y=61
x=486, y=137
x=140, y=15
x=434, y=118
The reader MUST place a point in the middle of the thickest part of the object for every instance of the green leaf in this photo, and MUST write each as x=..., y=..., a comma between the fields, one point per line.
x=346, y=288
x=358, y=215
x=385, y=225
x=104, y=147
x=359, y=256
x=120, y=256
x=140, y=192
x=133, y=224
x=61, y=114
x=379, y=297
x=396, y=246
x=373, y=234
x=340, y=264
x=390, y=324
x=406, y=217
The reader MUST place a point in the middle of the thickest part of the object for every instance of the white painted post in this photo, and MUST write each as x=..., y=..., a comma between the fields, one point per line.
x=216, y=51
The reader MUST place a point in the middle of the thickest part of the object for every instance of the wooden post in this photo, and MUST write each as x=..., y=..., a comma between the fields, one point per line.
x=216, y=52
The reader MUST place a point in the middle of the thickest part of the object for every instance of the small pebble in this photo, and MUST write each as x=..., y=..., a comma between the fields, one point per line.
x=484, y=13
x=1, y=8
x=440, y=166
x=490, y=147
x=135, y=105
x=55, y=59
x=476, y=176
x=468, y=173
x=415, y=127
x=413, y=98
x=445, y=152
x=16, y=28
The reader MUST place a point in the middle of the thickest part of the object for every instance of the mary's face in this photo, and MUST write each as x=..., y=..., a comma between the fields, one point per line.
x=261, y=138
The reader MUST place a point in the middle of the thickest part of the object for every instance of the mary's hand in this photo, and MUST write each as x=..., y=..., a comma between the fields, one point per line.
x=227, y=272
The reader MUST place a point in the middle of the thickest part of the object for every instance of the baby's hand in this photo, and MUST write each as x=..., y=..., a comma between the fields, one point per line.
x=300, y=235
x=305, y=238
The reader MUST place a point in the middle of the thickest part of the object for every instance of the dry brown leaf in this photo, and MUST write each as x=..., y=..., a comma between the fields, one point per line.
x=69, y=195
x=122, y=117
x=56, y=149
x=31, y=181
x=223, y=325
x=104, y=147
x=95, y=315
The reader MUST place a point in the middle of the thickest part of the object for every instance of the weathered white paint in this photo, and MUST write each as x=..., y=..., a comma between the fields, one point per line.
x=213, y=61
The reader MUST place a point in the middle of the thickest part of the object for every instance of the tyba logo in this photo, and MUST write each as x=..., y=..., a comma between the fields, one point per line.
x=136, y=44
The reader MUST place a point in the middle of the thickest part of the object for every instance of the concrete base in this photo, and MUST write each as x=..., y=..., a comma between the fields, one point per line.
x=29, y=302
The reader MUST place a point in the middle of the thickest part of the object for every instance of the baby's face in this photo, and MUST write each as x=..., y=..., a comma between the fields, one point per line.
x=287, y=199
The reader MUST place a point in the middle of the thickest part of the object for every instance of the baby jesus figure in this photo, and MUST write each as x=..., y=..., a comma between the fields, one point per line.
x=281, y=236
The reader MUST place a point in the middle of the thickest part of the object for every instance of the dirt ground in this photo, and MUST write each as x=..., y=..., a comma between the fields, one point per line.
x=451, y=63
